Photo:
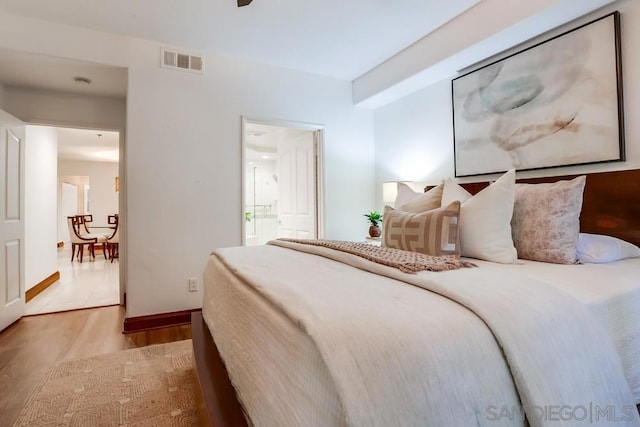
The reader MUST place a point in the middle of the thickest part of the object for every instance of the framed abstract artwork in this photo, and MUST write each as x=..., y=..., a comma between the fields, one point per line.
x=556, y=103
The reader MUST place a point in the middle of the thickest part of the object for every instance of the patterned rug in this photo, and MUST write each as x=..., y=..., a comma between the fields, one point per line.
x=147, y=386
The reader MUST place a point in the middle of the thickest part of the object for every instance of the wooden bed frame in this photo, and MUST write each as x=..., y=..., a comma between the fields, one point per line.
x=217, y=402
x=611, y=206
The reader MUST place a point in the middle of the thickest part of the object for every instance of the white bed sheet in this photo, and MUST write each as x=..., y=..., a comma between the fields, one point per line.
x=296, y=389
x=610, y=291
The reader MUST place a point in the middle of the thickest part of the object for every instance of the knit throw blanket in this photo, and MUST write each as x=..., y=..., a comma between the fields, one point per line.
x=405, y=261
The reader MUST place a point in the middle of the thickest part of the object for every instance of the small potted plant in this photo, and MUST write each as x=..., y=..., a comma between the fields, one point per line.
x=374, y=218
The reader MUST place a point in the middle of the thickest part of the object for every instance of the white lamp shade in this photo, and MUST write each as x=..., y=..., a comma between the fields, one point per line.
x=390, y=191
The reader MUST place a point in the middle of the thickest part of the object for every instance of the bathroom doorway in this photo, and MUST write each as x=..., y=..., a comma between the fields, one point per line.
x=281, y=184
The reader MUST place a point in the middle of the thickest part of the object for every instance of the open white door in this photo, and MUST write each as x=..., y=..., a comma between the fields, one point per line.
x=297, y=187
x=12, y=294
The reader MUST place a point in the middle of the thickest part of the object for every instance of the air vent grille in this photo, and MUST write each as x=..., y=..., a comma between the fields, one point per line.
x=182, y=61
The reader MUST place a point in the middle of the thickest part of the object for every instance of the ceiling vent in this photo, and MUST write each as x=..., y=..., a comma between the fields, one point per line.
x=181, y=61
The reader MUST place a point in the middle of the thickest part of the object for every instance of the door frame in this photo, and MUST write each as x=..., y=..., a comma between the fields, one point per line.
x=318, y=134
x=122, y=190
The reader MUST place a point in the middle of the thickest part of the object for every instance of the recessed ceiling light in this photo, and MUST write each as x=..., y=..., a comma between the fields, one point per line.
x=82, y=80
x=264, y=156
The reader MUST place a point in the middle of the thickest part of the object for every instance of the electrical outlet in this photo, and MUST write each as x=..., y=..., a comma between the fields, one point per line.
x=193, y=284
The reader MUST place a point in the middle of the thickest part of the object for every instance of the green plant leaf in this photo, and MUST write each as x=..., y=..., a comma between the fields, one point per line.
x=374, y=217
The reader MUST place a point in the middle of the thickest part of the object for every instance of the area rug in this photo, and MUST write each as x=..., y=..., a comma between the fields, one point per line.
x=147, y=386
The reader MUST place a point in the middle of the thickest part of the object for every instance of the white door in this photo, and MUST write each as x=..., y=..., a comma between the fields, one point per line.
x=297, y=216
x=12, y=298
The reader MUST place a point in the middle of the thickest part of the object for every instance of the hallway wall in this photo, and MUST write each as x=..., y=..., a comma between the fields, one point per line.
x=103, y=199
x=40, y=230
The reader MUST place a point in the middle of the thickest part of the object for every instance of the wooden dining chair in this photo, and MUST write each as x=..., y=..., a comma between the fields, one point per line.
x=113, y=242
x=112, y=220
x=85, y=232
x=85, y=220
x=78, y=242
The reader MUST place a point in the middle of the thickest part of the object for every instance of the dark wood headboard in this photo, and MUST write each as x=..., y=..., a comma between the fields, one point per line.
x=611, y=203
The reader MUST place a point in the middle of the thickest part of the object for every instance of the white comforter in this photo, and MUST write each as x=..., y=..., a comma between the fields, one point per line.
x=398, y=357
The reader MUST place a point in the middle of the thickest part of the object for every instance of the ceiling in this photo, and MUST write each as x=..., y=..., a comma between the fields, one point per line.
x=338, y=38
x=46, y=72
x=88, y=145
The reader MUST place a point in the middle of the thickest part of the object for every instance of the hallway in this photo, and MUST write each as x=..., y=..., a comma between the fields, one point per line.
x=92, y=283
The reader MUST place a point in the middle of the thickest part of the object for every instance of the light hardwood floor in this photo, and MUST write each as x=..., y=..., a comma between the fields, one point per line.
x=32, y=345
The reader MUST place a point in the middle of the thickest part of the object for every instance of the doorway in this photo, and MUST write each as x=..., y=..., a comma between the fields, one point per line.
x=281, y=181
x=87, y=166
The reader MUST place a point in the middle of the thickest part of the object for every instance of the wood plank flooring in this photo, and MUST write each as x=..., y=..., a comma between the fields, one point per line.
x=32, y=345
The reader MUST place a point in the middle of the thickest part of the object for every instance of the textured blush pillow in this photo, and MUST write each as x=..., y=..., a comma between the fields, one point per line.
x=598, y=249
x=546, y=220
x=411, y=201
x=431, y=233
x=485, y=219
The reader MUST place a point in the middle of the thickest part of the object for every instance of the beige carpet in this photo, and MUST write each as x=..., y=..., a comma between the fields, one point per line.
x=147, y=386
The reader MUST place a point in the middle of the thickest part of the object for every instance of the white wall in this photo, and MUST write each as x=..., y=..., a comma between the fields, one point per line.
x=63, y=226
x=41, y=152
x=103, y=198
x=56, y=108
x=414, y=135
x=183, y=156
x=192, y=186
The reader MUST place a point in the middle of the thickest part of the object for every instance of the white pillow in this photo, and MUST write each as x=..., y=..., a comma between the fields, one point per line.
x=485, y=219
x=409, y=200
x=598, y=249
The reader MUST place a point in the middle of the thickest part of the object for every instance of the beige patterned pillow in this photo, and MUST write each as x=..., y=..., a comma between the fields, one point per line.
x=431, y=233
x=546, y=220
x=410, y=201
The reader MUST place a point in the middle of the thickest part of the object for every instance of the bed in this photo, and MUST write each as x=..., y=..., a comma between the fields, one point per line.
x=295, y=366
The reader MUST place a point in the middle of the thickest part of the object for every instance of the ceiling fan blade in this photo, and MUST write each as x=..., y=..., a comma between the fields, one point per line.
x=244, y=2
